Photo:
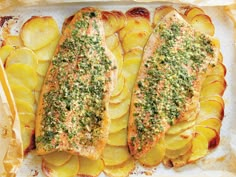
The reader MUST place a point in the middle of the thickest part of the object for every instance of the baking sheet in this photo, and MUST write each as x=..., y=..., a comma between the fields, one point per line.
x=222, y=160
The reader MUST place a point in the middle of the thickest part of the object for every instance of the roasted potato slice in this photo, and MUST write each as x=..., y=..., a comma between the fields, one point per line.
x=23, y=93
x=122, y=170
x=22, y=74
x=22, y=55
x=115, y=155
x=192, y=12
x=203, y=23
x=160, y=12
x=46, y=53
x=118, y=138
x=180, y=127
x=214, y=123
x=5, y=52
x=57, y=158
x=154, y=156
x=118, y=53
x=122, y=96
x=13, y=41
x=42, y=67
x=173, y=154
x=119, y=124
x=118, y=110
x=199, y=147
x=211, y=79
x=37, y=32
x=219, y=69
x=217, y=98
x=211, y=135
x=69, y=169
x=130, y=81
x=36, y=96
x=27, y=119
x=89, y=167
x=131, y=67
x=24, y=107
x=119, y=86
x=134, y=53
x=213, y=89
x=112, y=41
x=39, y=83
x=27, y=134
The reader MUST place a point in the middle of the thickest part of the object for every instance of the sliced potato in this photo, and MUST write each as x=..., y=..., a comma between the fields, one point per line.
x=211, y=135
x=118, y=110
x=118, y=53
x=180, y=127
x=69, y=169
x=214, y=123
x=154, y=156
x=173, y=154
x=36, y=95
x=57, y=158
x=22, y=55
x=211, y=79
x=5, y=52
x=119, y=124
x=174, y=142
x=89, y=167
x=23, y=93
x=192, y=12
x=199, y=147
x=122, y=170
x=37, y=32
x=118, y=138
x=119, y=86
x=217, y=98
x=27, y=138
x=39, y=83
x=160, y=12
x=27, y=119
x=215, y=88
x=22, y=74
x=131, y=67
x=46, y=53
x=130, y=81
x=134, y=40
x=203, y=23
x=13, y=41
x=115, y=155
x=134, y=53
x=122, y=96
x=219, y=69
x=42, y=67
x=220, y=58
x=24, y=107
x=112, y=41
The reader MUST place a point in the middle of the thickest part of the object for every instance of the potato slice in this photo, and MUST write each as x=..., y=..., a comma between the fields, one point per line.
x=13, y=41
x=119, y=86
x=131, y=67
x=203, y=23
x=213, y=89
x=211, y=79
x=122, y=170
x=118, y=53
x=134, y=40
x=118, y=138
x=220, y=57
x=42, y=67
x=199, y=147
x=180, y=127
x=112, y=41
x=5, y=52
x=174, y=142
x=37, y=32
x=27, y=119
x=115, y=155
x=39, y=83
x=217, y=98
x=173, y=154
x=22, y=74
x=118, y=110
x=36, y=95
x=211, y=135
x=46, y=53
x=89, y=167
x=24, y=107
x=22, y=93
x=134, y=53
x=154, y=156
x=140, y=24
x=214, y=123
x=160, y=12
x=119, y=124
x=27, y=138
x=22, y=55
x=57, y=158
x=192, y=12
x=130, y=81
x=69, y=169
x=219, y=69
x=122, y=96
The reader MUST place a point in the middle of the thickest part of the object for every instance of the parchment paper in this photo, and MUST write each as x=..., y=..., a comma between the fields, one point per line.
x=219, y=163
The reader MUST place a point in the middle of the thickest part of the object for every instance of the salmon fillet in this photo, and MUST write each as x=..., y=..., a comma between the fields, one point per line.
x=175, y=60
x=72, y=112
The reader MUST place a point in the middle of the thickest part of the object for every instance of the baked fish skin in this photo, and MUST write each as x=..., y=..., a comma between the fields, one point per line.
x=175, y=60
x=72, y=112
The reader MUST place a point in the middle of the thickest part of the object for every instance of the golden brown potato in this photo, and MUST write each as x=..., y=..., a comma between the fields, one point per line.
x=215, y=88
x=173, y=154
x=37, y=32
x=42, y=68
x=119, y=86
x=211, y=79
x=39, y=83
x=180, y=127
x=23, y=93
x=118, y=53
x=122, y=96
x=138, y=12
x=27, y=134
x=13, y=41
x=214, y=123
x=219, y=69
x=192, y=12
x=130, y=81
x=112, y=41
x=118, y=138
x=57, y=158
x=5, y=51
x=134, y=53
x=131, y=67
x=160, y=12
x=27, y=120
x=217, y=98
x=119, y=124
x=24, y=107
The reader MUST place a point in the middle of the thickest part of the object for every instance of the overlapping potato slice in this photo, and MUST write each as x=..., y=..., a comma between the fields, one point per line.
x=112, y=41
x=122, y=96
x=27, y=119
x=134, y=53
x=211, y=79
x=130, y=80
x=26, y=135
x=219, y=69
x=13, y=40
x=160, y=12
x=119, y=123
x=22, y=74
x=115, y=155
x=42, y=67
x=23, y=93
x=180, y=127
x=118, y=110
x=154, y=156
x=24, y=56
x=69, y=169
x=131, y=67
x=118, y=53
x=89, y=167
x=119, y=86
x=24, y=107
x=5, y=51
x=39, y=83
x=192, y=12
x=173, y=154
x=215, y=88
x=118, y=138
x=214, y=123
x=122, y=170
x=57, y=158
x=38, y=32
